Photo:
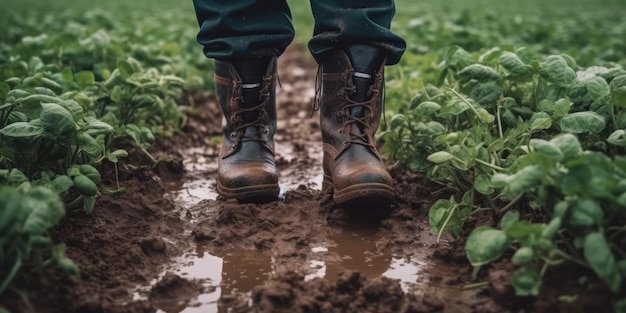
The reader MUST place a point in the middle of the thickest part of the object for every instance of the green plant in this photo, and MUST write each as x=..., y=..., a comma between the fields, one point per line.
x=27, y=213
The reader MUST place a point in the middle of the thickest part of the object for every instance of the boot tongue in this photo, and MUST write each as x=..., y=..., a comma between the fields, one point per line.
x=366, y=61
x=251, y=72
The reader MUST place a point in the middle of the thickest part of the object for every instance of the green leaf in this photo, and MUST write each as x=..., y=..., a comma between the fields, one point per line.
x=513, y=64
x=62, y=261
x=427, y=107
x=457, y=58
x=597, y=88
x=556, y=110
x=484, y=116
x=116, y=155
x=526, y=281
x=16, y=177
x=539, y=121
x=486, y=93
x=582, y=122
x=4, y=90
x=618, y=91
x=96, y=127
x=557, y=69
x=56, y=121
x=397, y=121
x=89, y=145
x=440, y=157
x=586, y=212
x=21, y=129
x=523, y=230
x=61, y=183
x=438, y=214
x=479, y=72
x=485, y=244
x=509, y=219
x=90, y=172
x=599, y=256
x=85, y=186
x=527, y=178
x=126, y=70
x=482, y=184
x=117, y=94
x=553, y=227
x=46, y=210
x=449, y=138
x=568, y=144
x=547, y=149
x=453, y=107
x=524, y=255
x=617, y=138
x=84, y=79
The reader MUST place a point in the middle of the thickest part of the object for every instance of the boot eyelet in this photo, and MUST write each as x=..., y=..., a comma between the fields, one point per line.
x=233, y=134
x=345, y=143
x=265, y=130
x=341, y=131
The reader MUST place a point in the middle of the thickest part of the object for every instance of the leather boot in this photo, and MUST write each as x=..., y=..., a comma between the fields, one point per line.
x=350, y=102
x=246, y=94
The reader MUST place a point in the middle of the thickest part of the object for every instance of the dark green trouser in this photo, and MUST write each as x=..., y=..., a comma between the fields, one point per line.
x=260, y=28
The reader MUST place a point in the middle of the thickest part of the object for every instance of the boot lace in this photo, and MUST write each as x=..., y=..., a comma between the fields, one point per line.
x=362, y=123
x=260, y=122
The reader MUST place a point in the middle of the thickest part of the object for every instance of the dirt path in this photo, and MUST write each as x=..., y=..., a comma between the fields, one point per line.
x=168, y=245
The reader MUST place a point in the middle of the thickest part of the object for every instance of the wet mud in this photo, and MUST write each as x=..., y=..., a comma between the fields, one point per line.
x=170, y=244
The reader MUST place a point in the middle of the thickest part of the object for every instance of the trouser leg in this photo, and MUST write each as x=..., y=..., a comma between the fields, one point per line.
x=238, y=29
x=343, y=23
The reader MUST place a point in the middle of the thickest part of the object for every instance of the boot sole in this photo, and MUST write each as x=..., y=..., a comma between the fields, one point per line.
x=366, y=193
x=250, y=194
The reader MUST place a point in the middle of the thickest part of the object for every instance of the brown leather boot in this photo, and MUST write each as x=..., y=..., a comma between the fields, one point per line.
x=247, y=171
x=350, y=102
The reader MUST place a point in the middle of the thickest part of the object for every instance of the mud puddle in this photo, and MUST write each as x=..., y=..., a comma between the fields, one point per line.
x=218, y=274
x=224, y=274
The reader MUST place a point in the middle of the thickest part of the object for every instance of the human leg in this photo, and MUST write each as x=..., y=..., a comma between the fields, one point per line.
x=342, y=23
x=236, y=29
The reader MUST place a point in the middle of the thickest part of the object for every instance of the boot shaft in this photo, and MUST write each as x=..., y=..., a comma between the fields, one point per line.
x=247, y=98
x=350, y=98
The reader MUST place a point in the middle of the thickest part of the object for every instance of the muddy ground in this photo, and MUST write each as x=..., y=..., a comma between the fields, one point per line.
x=168, y=244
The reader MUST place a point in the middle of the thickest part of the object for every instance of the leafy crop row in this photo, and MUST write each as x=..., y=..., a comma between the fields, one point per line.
x=529, y=135
x=71, y=95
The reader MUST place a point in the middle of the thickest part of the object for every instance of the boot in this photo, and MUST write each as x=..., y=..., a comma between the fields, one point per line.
x=350, y=102
x=246, y=94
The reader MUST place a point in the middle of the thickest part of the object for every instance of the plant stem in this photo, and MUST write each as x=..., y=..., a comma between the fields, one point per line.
x=117, y=176
x=476, y=285
x=495, y=167
x=571, y=258
x=12, y=273
x=505, y=208
x=446, y=222
x=498, y=112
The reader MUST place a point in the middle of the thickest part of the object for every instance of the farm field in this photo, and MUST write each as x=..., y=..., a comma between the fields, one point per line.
x=505, y=132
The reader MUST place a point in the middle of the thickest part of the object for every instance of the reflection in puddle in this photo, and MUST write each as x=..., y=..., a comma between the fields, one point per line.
x=239, y=271
x=202, y=163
